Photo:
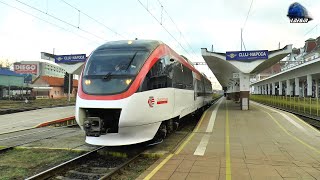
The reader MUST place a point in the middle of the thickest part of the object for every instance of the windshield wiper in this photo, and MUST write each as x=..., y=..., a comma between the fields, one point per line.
x=131, y=60
x=107, y=76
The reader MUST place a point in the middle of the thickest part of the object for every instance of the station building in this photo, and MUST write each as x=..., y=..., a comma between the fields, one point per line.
x=39, y=68
x=11, y=83
x=299, y=77
x=45, y=87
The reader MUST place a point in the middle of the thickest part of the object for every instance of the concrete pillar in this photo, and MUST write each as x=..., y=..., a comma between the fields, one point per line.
x=297, y=87
x=317, y=88
x=237, y=91
x=269, y=89
x=309, y=85
x=288, y=89
x=273, y=88
x=228, y=93
x=280, y=88
x=303, y=94
x=244, y=91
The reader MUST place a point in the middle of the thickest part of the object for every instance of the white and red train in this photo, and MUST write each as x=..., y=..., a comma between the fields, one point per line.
x=131, y=91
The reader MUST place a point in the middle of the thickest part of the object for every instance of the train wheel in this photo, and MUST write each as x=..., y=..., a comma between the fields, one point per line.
x=160, y=135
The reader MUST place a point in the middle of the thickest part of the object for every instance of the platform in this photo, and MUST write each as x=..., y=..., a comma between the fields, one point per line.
x=261, y=143
x=30, y=119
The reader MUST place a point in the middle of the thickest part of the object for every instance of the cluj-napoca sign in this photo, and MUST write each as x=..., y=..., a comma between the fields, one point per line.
x=247, y=55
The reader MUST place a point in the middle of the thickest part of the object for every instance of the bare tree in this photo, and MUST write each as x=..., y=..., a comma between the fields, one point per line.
x=8, y=64
x=5, y=63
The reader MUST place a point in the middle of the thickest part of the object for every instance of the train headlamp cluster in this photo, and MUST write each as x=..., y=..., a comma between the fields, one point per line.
x=87, y=82
x=128, y=81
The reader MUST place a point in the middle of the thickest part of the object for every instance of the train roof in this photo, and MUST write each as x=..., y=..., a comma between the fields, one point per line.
x=187, y=60
x=143, y=44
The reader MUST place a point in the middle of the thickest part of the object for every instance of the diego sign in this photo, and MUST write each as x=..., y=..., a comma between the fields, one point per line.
x=26, y=68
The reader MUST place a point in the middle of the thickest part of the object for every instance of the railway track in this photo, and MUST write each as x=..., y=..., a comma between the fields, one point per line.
x=38, y=135
x=99, y=163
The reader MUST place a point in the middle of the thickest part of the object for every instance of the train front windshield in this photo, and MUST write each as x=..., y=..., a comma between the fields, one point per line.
x=110, y=71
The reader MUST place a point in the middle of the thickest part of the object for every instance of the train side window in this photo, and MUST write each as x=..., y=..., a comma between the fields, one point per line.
x=178, y=76
x=199, y=88
x=158, y=76
x=188, y=79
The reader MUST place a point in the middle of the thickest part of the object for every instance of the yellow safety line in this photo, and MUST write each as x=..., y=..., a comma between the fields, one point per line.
x=299, y=119
x=293, y=136
x=191, y=135
x=155, y=170
x=296, y=117
x=228, y=164
x=23, y=129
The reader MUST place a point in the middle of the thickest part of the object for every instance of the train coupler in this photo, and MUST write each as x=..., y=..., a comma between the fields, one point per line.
x=93, y=126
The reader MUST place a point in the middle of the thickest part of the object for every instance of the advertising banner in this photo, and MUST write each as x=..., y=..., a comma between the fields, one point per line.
x=25, y=68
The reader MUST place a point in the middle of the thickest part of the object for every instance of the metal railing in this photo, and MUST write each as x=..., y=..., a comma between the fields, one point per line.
x=303, y=105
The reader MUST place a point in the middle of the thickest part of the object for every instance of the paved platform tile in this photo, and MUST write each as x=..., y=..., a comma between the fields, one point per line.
x=198, y=176
x=162, y=175
x=208, y=163
x=178, y=176
x=205, y=169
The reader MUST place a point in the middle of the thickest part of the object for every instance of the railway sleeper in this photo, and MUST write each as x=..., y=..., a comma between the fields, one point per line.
x=84, y=175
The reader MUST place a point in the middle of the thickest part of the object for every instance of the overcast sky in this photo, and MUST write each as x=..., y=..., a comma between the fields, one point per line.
x=202, y=23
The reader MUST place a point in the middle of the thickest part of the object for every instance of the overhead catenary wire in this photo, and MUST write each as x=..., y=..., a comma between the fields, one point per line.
x=311, y=29
x=244, y=24
x=177, y=28
x=47, y=22
x=244, y=45
x=34, y=8
x=163, y=27
x=95, y=20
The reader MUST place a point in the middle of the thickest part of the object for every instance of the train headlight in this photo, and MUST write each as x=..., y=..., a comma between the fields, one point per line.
x=87, y=82
x=129, y=42
x=128, y=81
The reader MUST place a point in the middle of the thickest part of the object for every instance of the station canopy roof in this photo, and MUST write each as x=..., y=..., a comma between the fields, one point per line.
x=223, y=69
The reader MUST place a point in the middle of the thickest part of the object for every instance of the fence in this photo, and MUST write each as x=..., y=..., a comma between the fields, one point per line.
x=305, y=105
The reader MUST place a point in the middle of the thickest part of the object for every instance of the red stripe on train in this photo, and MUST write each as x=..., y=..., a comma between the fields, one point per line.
x=154, y=57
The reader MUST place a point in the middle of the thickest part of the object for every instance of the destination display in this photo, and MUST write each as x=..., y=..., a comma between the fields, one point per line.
x=247, y=55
